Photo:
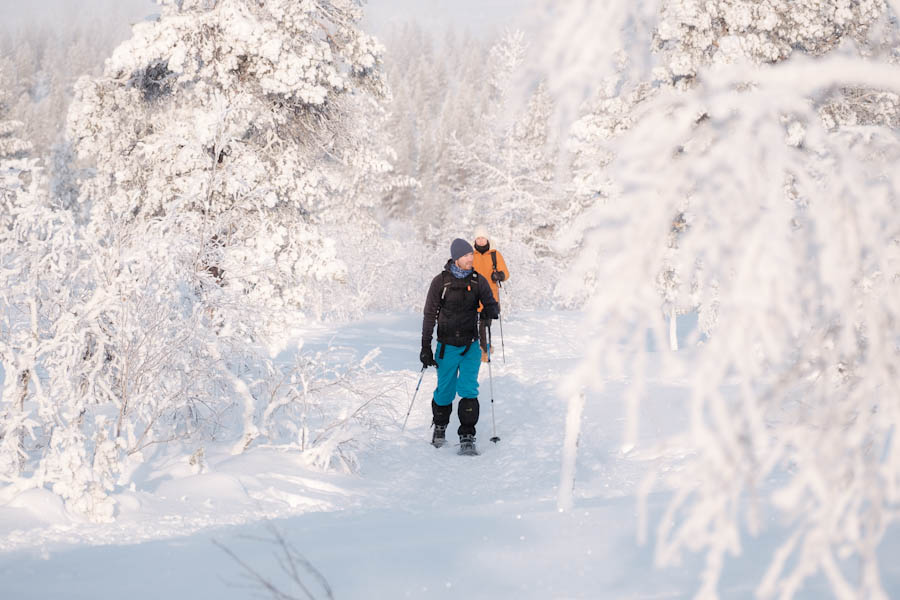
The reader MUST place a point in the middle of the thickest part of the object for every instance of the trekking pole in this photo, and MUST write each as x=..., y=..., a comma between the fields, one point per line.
x=402, y=429
x=502, y=346
x=494, y=439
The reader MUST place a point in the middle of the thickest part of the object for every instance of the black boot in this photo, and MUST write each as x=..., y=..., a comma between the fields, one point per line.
x=440, y=418
x=439, y=437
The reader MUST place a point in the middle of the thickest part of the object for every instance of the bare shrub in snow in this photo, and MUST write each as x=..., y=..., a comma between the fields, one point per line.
x=329, y=404
x=109, y=352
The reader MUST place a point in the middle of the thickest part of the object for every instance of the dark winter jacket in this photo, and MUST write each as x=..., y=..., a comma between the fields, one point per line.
x=453, y=304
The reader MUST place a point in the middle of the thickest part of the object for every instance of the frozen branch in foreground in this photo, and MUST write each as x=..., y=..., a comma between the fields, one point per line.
x=794, y=225
x=304, y=581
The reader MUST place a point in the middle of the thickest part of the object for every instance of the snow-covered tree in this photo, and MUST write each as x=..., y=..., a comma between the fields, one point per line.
x=11, y=146
x=243, y=111
x=793, y=221
x=507, y=170
x=438, y=96
x=493, y=163
x=444, y=109
x=225, y=139
x=107, y=349
x=687, y=37
x=15, y=163
x=50, y=51
x=111, y=351
x=691, y=34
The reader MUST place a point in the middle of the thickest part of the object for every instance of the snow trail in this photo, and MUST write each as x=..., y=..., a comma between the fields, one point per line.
x=466, y=520
x=415, y=522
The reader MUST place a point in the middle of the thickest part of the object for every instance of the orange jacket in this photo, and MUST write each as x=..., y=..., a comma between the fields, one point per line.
x=484, y=264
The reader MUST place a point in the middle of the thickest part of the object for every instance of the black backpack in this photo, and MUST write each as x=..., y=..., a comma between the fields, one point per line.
x=458, y=316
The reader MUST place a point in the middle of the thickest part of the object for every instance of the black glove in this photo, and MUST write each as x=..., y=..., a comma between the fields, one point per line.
x=427, y=356
x=490, y=312
x=498, y=276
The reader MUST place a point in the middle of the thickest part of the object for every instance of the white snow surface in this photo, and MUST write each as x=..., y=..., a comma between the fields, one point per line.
x=415, y=522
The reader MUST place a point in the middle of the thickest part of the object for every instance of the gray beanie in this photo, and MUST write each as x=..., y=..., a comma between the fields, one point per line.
x=460, y=247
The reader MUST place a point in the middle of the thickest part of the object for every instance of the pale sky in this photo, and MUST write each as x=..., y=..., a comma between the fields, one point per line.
x=477, y=16
x=118, y=13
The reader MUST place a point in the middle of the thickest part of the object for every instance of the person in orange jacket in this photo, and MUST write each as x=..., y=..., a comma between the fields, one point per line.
x=490, y=264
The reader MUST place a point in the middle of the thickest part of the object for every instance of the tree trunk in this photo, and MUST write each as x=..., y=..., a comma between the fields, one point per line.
x=24, y=379
x=570, y=452
x=673, y=329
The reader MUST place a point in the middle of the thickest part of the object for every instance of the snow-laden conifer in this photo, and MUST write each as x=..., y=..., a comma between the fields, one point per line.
x=242, y=111
x=501, y=173
x=15, y=163
x=509, y=166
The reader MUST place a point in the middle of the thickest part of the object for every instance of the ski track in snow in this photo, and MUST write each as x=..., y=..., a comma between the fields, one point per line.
x=415, y=522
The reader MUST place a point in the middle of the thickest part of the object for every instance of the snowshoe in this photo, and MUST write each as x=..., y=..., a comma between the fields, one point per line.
x=439, y=438
x=467, y=446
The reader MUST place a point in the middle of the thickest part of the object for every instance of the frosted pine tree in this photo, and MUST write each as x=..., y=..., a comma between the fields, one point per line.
x=15, y=164
x=410, y=70
x=17, y=178
x=439, y=93
x=240, y=111
x=795, y=219
x=499, y=170
x=507, y=169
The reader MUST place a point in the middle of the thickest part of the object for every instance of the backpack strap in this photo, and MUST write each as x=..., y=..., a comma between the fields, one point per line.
x=446, y=284
x=447, y=280
x=494, y=260
x=442, y=346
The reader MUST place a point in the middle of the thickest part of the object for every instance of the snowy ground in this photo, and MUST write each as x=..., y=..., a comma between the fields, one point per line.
x=415, y=522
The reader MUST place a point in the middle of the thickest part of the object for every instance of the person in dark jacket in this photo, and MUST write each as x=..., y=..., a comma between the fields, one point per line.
x=452, y=303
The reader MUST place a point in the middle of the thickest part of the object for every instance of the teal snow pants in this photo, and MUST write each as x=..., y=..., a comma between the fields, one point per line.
x=457, y=372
